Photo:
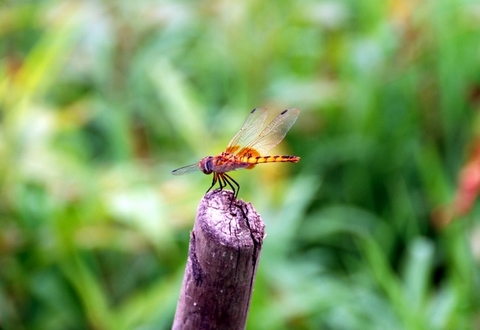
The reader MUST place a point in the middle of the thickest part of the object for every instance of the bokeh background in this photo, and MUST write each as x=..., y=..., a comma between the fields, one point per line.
x=375, y=228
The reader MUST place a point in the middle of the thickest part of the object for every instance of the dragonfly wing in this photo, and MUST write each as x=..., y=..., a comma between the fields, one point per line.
x=274, y=132
x=186, y=169
x=250, y=129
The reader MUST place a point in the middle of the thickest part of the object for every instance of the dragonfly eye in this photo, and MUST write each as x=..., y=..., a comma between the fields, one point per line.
x=207, y=166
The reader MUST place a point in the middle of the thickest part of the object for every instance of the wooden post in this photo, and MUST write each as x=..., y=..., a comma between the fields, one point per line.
x=222, y=261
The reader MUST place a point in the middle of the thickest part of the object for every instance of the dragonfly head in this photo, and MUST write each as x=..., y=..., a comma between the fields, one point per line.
x=206, y=165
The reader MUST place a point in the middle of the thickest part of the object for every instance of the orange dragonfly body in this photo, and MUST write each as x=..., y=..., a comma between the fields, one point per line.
x=247, y=148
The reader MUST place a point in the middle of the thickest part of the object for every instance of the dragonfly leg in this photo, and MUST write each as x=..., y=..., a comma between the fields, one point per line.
x=214, y=181
x=221, y=181
x=228, y=179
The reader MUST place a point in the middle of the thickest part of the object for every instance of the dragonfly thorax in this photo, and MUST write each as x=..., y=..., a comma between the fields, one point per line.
x=206, y=165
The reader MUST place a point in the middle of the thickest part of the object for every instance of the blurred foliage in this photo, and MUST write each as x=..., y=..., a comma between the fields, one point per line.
x=375, y=228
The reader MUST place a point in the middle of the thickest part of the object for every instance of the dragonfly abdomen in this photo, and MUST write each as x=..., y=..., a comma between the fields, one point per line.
x=271, y=159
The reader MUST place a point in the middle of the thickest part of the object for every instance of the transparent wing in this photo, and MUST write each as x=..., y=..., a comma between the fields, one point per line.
x=250, y=129
x=186, y=169
x=273, y=133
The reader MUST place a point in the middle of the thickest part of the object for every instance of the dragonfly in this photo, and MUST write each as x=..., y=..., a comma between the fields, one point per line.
x=247, y=149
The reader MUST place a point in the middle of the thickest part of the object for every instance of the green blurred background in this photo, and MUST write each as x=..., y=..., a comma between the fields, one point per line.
x=375, y=228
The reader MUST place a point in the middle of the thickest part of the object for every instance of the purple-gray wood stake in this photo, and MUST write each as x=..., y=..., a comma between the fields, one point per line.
x=224, y=252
